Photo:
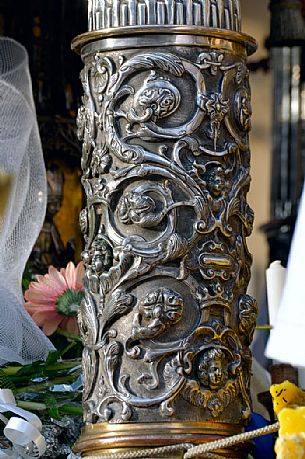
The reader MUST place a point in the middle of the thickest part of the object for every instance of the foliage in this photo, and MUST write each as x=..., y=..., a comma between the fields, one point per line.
x=52, y=387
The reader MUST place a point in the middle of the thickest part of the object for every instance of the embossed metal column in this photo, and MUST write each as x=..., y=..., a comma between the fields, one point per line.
x=166, y=320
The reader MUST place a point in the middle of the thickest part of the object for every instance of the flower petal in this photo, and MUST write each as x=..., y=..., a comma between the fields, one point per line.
x=43, y=289
x=48, y=321
x=71, y=326
x=43, y=286
x=79, y=275
x=39, y=298
x=42, y=317
x=69, y=274
x=47, y=285
x=43, y=294
x=57, y=278
x=51, y=326
x=33, y=307
x=50, y=283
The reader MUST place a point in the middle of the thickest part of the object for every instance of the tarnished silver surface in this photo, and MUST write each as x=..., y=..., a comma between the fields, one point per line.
x=151, y=36
x=220, y=14
x=166, y=171
x=162, y=39
x=166, y=320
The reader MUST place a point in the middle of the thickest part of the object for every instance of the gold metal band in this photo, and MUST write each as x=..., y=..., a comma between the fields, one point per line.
x=164, y=40
x=101, y=437
x=199, y=36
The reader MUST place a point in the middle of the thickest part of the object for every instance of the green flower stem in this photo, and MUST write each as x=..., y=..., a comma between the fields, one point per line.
x=11, y=371
x=64, y=409
x=32, y=406
x=68, y=335
x=71, y=409
x=40, y=387
x=64, y=365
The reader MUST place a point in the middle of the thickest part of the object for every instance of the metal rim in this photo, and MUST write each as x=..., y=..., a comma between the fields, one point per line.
x=108, y=436
x=162, y=40
x=248, y=42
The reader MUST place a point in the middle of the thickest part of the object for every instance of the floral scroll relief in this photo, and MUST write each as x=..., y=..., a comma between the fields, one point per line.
x=165, y=228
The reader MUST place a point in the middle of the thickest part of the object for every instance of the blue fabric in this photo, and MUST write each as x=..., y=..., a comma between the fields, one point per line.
x=264, y=446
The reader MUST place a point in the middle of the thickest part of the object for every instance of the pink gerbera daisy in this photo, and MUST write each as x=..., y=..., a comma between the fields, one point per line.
x=53, y=301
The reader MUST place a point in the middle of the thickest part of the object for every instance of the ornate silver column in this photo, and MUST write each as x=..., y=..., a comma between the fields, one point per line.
x=166, y=320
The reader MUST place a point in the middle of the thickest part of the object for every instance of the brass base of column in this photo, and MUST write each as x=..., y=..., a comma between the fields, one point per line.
x=104, y=439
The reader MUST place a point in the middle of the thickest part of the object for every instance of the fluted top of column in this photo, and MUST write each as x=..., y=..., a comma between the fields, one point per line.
x=219, y=14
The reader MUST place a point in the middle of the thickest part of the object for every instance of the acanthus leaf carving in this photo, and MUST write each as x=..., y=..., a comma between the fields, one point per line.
x=118, y=305
x=167, y=265
x=163, y=61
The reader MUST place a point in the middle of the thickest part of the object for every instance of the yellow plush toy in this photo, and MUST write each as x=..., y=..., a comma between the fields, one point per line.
x=289, y=405
x=286, y=394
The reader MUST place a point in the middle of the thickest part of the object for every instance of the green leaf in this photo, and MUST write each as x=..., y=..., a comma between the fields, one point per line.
x=75, y=410
x=5, y=381
x=27, y=278
x=52, y=407
x=67, y=349
x=68, y=335
x=32, y=370
x=53, y=357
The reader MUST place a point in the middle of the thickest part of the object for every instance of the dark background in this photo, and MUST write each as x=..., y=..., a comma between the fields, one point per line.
x=46, y=28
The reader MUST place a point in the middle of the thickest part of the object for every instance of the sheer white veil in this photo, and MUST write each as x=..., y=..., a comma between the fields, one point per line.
x=21, y=157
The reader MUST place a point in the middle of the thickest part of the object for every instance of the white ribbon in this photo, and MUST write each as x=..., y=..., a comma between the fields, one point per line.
x=23, y=431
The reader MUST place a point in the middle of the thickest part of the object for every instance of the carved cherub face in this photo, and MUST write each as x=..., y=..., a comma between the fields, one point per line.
x=215, y=180
x=102, y=257
x=158, y=311
x=134, y=207
x=162, y=305
x=139, y=203
x=158, y=96
x=212, y=369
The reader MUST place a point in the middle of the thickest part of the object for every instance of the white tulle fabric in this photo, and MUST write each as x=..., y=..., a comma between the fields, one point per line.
x=21, y=156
